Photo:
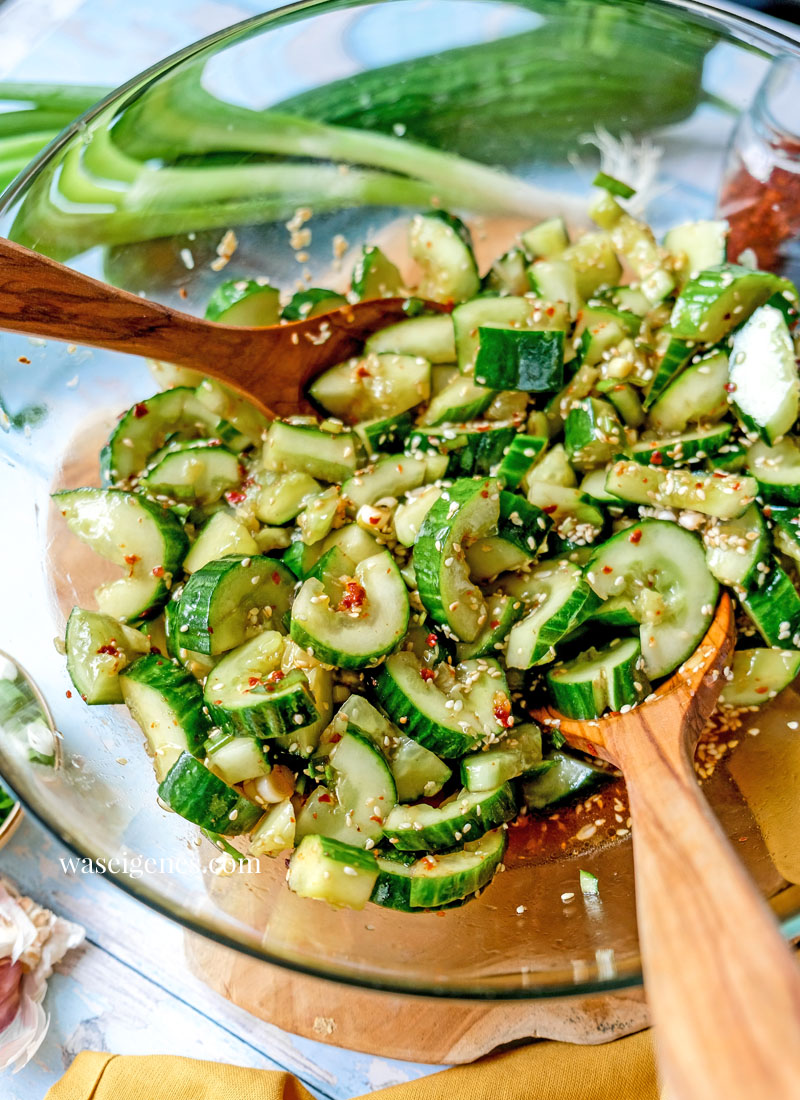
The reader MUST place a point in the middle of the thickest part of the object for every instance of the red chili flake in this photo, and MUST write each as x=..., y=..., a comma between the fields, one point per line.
x=656, y=458
x=353, y=598
x=362, y=372
x=550, y=311
x=253, y=680
x=431, y=640
x=269, y=688
x=494, y=624
x=427, y=674
x=335, y=738
x=374, y=519
x=234, y=496
x=721, y=473
x=158, y=571
x=183, y=292
x=730, y=387
x=109, y=648
x=140, y=410
x=502, y=709
x=549, y=509
x=69, y=694
x=155, y=649
x=23, y=359
x=635, y=536
x=276, y=676
x=210, y=629
x=762, y=690
x=131, y=559
x=276, y=577
x=767, y=511
x=377, y=819
x=325, y=798
x=481, y=428
x=736, y=485
x=607, y=569
x=484, y=493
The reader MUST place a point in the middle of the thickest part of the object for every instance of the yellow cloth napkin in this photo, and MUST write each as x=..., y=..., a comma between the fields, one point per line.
x=542, y=1071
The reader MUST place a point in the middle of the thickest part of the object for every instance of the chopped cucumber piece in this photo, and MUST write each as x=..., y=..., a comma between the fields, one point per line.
x=593, y=259
x=555, y=280
x=313, y=302
x=98, y=649
x=375, y=276
x=719, y=494
x=520, y=313
x=221, y=535
x=244, y=302
x=460, y=400
x=284, y=496
x=777, y=470
x=275, y=832
x=321, y=454
x=329, y=870
x=198, y=471
x=191, y=790
x=502, y=612
x=592, y=433
x=236, y=759
x=547, y=240
x=763, y=374
x=680, y=449
x=697, y=246
x=718, y=299
x=519, y=458
x=774, y=606
x=759, y=675
x=377, y=385
x=598, y=680
x=530, y=360
x=471, y=449
x=521, y=532
x=409, y=516
x=574, y=516
x=436, y=881
x=390, y=476
x=429, y=337
x=441, y=245
x=697, y=395
x=566, y=777
x=736, y=548
x=508, y=274
x=558, y=599
x=467, y=815
x=520, y=753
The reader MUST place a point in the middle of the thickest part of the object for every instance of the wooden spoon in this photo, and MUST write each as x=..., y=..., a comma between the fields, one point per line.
x=722, y=984
x=269, y=365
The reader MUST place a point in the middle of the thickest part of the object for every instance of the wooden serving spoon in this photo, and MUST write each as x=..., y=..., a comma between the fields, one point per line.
x=722, y=983
x=269, y=365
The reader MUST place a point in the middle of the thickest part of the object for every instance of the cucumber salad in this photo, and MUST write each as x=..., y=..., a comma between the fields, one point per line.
x=332, y=628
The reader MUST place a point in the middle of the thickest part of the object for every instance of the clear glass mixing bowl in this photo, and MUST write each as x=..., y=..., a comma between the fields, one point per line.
x=511, y=84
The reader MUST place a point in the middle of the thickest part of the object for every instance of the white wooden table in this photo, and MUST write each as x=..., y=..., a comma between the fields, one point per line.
x=128, y=989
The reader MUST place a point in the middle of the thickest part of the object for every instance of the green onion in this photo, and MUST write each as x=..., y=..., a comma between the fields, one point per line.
x=614, y=186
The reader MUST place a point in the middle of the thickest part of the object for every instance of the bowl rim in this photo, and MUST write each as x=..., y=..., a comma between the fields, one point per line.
x=740, y=27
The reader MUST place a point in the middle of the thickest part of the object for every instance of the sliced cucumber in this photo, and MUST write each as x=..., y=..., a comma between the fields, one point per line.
x=300, y=447
x=467, y=511
x=763, y=374
x=592, y=433
x=555, y=467
x=520, y=752
x=312, y=302
x=332, y=871
x=512, y=313
x=428, y=337
x=676, y=355
x=131, y=531
x=759, y=675
x=472, y=449
x=353, y=626
x=249, y=693
x=522, y=453
x=409, y=516
x=194, y=792
x=598, y=680
x=460, y=400
x=593, y=488
x=383, y=433
x=236, y=759
x=777, y=470
x=304, y=740
x=680, y=449
x=555, y=280
x=436, y=881
x=502, y=612
x=697, y=246
x=284, y=496
x=232, y=599
x=199, y=471
x=786, y=528
x=735, y=548
x=233, y=408
x=547, y=240
x=508, y=274
x=98, y=649
x=390, y=476
x=521, y=532
x=564, y=778
x=600, y=329
x=441, y=245
x=559, y=600
x=594, y=260
x=531, y=360
x=244, y=302
x=319, y=515
x=222, y=534
x=377, y=385
x=375, y=276
x=697, y=395
x=166, y=701
x=275, y=832
x=467, y=816
x=774, y=606
x=718, y=299
x=666, y=584
x=719, y=494
x=447, y=709
x=574, y=516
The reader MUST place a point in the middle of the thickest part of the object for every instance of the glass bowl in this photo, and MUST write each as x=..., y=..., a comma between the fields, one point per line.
x=532, y=88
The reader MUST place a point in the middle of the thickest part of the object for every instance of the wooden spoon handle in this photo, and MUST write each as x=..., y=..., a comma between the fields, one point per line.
x=45, y=298
x=722, y=984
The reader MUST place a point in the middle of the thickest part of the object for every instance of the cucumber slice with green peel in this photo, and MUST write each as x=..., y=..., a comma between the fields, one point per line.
x=627, y=298
x=698, y=395
x=759, y=675
x=594, y=260
x=697, y=246
x=191, y=790
x=375, y=276
x=521, y=532
x=601, y=328
x=319, y=515
x=472, y=449
x=303, y=741
x=166, y=702
x=302, y=448
x=774, y=606
x=465, y=512
x=135, y=533
x=547, y=240
x=579, y=386
x=615, y=611
x=567, y=777
x=377, y=385
x=520, y=313
x=244, y=302
x=275, y=832
x=519, y=753
x=459, y=401
x=390, y=476
x=436, y=881
x=530, y=360
x=333, y=567
x=232, y=599
x=417, y=771
x=199, y=664
x=354, y=626
x=574, y=516
x=249, y=693
x=198, y=471
x=559, y=599
x=592, y=433
x=361, y=796
x=676, y=356
x=384, y=433
x=174, y=414
x=352, y=540
x=428, y=337
x=222, y=534
x=786, y=528
x=731, y=456
x=634, y=241
x=611, y=678
x=465, y=817
x=234, y=409
x=236, y=759
x=666, y=584
x=448, y=709
x=555, y=280
x=679, y=449
x=502, y=612
x=313, y=302
x=441, y=244
x=593, y=489
x=719, y=299
x=763, y=374
x=508, y=274
x=625, y=399
x=409, y=516
x=330, y=870
x=284, y=496
x=521, y=455
x=777, y=470
x=98, y=649
x=735, y=548
x=554, y=466
x=719, y=494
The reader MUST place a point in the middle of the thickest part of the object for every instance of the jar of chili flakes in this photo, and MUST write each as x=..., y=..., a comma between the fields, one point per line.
x=760, y=192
